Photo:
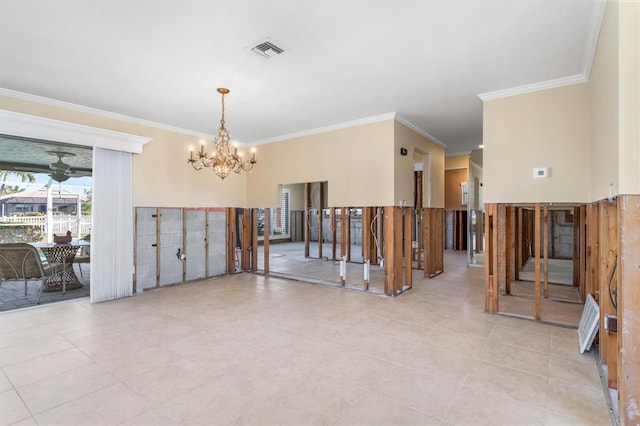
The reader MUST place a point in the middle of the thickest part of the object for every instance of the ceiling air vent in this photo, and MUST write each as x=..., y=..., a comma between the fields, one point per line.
x=267, y=49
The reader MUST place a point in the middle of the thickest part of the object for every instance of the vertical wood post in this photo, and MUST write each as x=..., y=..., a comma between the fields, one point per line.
x=158, y=216
x=536, y=251
x=254, y=239
x=348, y=225
x=343, y=237
x=576, y=246
x=583, y=250
x=320, y=213
x=500, y=232
x=408, y=254
x=491, y=260
x=479, y=231
x=397, y=242
x=184, y=243
x=629, y=308
x=231, y=240
x=427, y=235
x=519, y=244
x=266, y=229
x=334, y=231
x=545, y=247
x=206, y=243
x=366, y=239
x=439, y=240
x=247, y=247
x=307, y=219
x=511, y=249
x=389, y=251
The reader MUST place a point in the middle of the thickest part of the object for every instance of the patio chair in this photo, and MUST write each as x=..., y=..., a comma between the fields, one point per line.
x=20, y=261
x=85, y=254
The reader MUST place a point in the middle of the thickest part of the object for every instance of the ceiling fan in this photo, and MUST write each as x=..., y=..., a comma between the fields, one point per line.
x=60, y=171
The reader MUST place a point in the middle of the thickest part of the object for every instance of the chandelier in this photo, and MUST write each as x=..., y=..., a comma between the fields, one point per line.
x=222, y=161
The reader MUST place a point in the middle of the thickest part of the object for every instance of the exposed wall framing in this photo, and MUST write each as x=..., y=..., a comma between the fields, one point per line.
x=433, y=237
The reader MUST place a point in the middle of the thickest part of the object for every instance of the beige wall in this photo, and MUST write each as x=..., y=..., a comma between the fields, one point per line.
x=456, y=162
x=355, y=162
x=614, y=90
x=475, y=171
x=603, y=114
x=629, y=100
x=296, y=196
x=161, y=175
x=433, y=187
x=548, y=128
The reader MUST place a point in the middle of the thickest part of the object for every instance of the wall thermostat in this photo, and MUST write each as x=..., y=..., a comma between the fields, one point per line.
x=540, y=172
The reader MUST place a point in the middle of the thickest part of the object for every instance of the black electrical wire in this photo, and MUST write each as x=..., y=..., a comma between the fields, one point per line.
x=615, y=290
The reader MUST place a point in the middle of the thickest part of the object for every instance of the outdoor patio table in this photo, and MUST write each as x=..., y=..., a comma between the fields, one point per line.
x=61, y=254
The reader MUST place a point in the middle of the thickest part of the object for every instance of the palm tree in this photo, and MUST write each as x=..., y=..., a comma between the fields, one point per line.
x=4, y=176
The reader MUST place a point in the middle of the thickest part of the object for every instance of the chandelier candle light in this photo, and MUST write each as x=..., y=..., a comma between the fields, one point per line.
x=222, y=161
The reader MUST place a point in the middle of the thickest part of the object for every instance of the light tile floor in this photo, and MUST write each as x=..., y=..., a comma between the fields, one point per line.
x=255, y=350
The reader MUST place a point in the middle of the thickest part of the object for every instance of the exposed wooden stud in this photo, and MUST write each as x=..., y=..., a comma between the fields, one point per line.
x=254, y=239
x=629, y=308
x=378, y=231
x=545, y=249
x=491, y=261
x=307, y=219
x=511, y=239
x=366, y=239
x=158, y=246
x=408, y=254
x=479, y=231
x=334, y=231
x=536, y=251
x=433, y=237
x=419, y=237
x=519, y=243
x=583, y=252
x=206, y=242
x=576, y=246
x=608, y=241
x=426, y=237
x=389, y=251
x=593, y=257
x=320, y=213
x=348, y=226
x=397, y=243
x=247, y=247
x=418, y=176
x=267, y=230
x=500, y=231
x=231, y=240
x=439, y=240
x=343, y=237
x=184, y=243
x=508, y=247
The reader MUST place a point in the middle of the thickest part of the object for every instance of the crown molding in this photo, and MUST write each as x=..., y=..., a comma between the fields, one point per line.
x=535, y=87
x=422, y=132
x=595, y=23
x=325, y=129
x=35, y=127
x=94, y=111
x=346, y=125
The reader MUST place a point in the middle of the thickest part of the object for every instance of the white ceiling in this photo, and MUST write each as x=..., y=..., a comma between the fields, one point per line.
x=425, y=60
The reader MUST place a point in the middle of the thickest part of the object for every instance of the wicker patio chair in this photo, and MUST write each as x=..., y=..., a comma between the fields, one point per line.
x=20, y=261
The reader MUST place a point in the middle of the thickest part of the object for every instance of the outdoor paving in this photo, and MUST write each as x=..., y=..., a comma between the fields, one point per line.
x=12, y=293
